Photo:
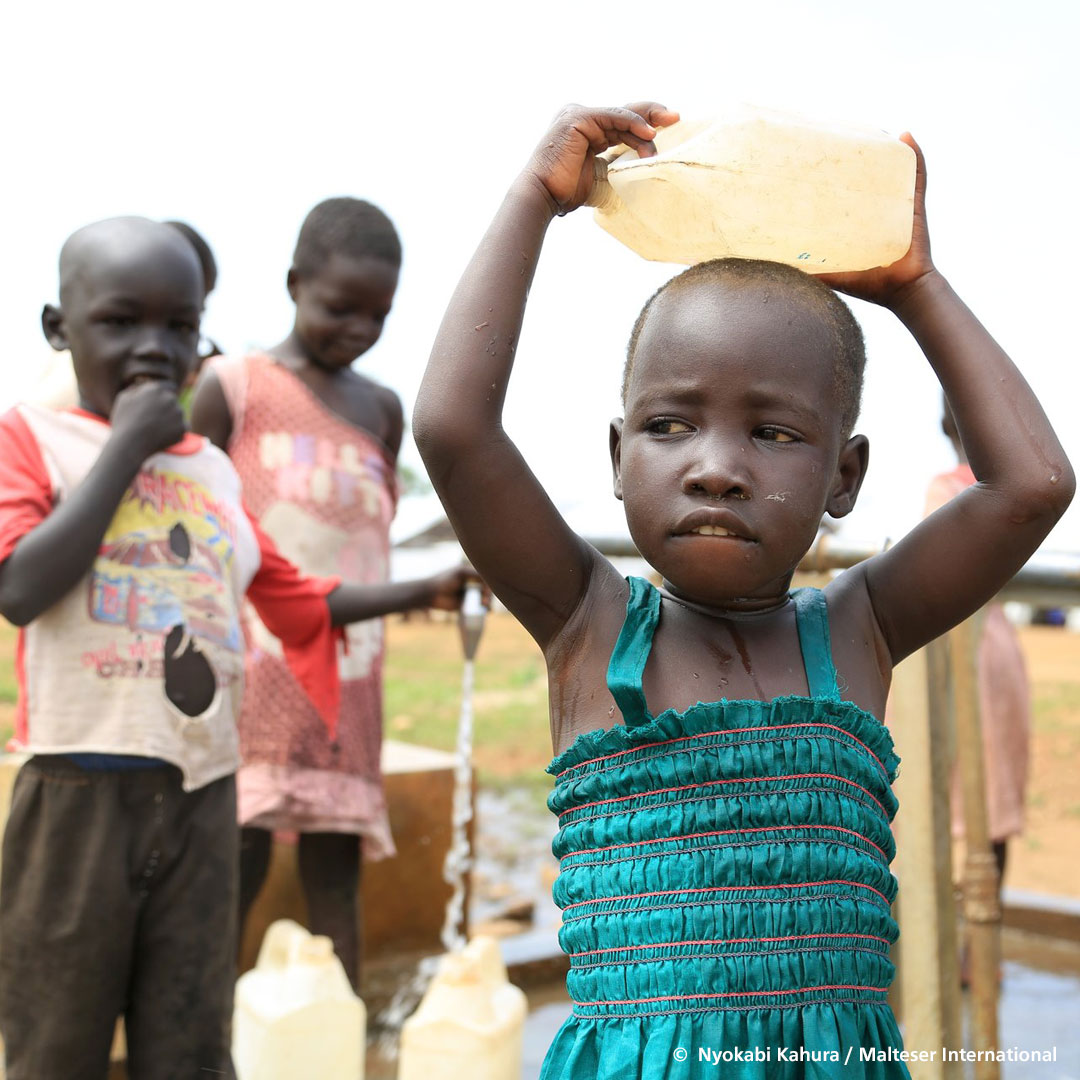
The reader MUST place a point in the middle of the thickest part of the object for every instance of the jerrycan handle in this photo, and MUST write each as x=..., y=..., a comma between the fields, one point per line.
x=284, y=943
x=602, y=194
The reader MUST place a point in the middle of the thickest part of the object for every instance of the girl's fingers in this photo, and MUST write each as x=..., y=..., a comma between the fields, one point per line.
x=644, y=147
x=654, y=113
x=920, y=164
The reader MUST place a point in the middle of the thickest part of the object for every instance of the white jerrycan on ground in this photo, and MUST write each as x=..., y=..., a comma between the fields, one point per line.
x=759, y=184
x=296, y=1015
x=470, y=1023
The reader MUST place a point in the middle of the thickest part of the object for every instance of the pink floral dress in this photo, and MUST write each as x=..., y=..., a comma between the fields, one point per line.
x=326, y=492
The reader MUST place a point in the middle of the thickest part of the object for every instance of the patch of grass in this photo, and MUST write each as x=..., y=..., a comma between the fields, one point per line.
x=8, y=688
x=511, y=737
x=1056, y=706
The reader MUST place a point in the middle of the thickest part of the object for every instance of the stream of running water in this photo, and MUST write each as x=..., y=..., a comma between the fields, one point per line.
x=459, y=857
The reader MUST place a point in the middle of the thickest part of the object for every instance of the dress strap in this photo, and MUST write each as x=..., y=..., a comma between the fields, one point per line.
x=812, y=619
x=631, y=652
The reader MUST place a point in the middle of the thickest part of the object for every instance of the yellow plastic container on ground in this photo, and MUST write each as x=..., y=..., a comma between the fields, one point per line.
x=759, y=184
x=296, y=1014
x=470, y=1022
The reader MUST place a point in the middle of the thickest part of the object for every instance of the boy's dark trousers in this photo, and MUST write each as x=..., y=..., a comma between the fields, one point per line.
x=117, y=897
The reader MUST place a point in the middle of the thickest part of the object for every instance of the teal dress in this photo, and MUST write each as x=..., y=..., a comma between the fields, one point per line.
x=724, y=880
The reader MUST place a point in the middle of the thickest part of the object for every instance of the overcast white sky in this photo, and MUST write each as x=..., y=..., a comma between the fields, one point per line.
x=240, y=116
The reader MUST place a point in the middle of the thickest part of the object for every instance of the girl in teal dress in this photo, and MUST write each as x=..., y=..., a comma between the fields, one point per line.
x=722, y=777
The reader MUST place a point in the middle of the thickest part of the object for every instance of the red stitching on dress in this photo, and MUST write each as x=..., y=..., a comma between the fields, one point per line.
x=682, y=906
x=728, y=941
x=713, y=783
x=721, y=832
x=731, y=994
x=771, y=1007
x=729, y=845
x=804, y=950
x=723, y=731
x=724, y=888
x=718, y=798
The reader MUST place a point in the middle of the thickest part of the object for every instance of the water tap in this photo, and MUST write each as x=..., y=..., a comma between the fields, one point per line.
x=471, y=619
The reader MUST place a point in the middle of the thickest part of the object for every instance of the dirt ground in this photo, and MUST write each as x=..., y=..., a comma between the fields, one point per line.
x=1044, y=858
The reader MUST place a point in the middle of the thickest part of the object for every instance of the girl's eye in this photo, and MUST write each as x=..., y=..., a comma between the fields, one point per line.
x=118, y=320
x=772, y=434
x=667, y=426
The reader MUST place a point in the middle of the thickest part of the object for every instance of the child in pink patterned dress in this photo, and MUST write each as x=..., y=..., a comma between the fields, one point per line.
x=316, y=444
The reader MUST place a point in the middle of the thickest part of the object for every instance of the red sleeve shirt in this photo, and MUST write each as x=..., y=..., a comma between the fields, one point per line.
x=292, y=605
x=26, y=495
x=293, y=608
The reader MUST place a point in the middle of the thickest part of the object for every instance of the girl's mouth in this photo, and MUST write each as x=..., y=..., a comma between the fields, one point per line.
x=715, y=521
x=714, y=530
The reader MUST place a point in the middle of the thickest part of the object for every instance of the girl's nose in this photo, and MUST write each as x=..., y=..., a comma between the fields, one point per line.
x=719, y=471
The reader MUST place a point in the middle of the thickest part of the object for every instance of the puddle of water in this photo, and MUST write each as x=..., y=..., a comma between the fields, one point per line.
x=1039, y=1010
x=513, y=859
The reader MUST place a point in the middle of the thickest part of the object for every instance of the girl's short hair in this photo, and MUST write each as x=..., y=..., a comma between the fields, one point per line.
x=850, y=357
x=345, y=226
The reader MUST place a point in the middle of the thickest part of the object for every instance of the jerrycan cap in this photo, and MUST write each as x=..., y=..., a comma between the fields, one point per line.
x=480, y=962
x=317, y=949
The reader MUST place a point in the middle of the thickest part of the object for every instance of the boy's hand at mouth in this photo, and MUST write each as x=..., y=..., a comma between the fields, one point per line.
x=146, y=417
x=563, y=163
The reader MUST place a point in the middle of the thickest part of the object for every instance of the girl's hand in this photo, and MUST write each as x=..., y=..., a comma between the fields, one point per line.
x=563, y=163
x=447, y=590
x=886, y=285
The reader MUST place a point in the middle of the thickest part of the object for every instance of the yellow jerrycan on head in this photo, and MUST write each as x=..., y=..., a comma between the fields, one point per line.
x=470, y=1023
x=760, y=184
x=296, y=1014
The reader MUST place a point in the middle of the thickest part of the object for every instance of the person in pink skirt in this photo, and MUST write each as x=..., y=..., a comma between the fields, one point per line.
x=316, y=445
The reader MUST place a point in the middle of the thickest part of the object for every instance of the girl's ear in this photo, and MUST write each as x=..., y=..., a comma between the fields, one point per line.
x=850, y=472
x=615, y=445
x=292, y=279
x=52, y=325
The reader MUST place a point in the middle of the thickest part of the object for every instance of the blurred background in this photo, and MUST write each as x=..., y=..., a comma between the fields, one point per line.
x=238, y=117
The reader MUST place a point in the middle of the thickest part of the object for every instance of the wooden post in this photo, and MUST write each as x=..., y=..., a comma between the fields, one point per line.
x=929, y=984
x=982, y=909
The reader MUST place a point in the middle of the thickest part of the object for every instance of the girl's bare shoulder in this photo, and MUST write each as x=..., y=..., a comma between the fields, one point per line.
x=859, y=647
x=577, y=657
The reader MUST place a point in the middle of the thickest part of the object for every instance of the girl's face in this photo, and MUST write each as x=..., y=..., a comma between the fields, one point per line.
x=341, y=308
x=731, y=449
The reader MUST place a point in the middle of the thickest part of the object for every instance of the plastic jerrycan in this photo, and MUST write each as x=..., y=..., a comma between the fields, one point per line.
x=296, y=1014
x=759, y=184
x=470, y=1023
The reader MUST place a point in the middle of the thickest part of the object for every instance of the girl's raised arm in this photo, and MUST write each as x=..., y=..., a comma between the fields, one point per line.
x=510, y=530
x=963, y=554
